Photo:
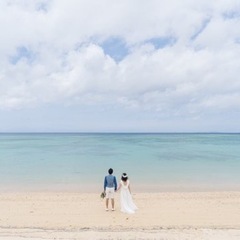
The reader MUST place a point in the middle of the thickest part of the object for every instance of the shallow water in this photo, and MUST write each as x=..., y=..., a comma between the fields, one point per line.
x=75, y=161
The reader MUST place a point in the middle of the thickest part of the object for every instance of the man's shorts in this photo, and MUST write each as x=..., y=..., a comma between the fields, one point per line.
x=109, y=192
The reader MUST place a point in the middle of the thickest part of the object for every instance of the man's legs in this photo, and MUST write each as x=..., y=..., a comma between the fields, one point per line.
x=110, y=194
x=112, y=200
x=107, y=201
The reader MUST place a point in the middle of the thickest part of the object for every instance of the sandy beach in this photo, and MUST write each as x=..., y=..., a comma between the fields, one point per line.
x=68, y=215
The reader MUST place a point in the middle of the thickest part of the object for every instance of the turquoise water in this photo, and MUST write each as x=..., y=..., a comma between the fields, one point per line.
x=153, y=161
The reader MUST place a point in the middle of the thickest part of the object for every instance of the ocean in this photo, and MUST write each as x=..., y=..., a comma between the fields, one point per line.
x=153, y=161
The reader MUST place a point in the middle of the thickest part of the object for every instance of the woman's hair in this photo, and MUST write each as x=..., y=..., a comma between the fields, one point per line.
x=124, y=177
x=110, y=171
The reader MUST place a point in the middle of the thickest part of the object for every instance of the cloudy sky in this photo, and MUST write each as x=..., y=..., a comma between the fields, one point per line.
x=120, y=66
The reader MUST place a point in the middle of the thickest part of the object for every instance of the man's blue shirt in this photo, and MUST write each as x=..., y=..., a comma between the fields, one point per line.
x=110, y=182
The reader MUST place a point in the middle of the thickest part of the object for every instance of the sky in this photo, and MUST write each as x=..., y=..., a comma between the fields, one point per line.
x=120, y=66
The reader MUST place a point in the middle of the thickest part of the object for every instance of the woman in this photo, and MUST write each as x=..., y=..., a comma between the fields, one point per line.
x=127, y=205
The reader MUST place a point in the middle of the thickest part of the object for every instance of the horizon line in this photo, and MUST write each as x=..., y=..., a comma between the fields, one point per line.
x=117, y=132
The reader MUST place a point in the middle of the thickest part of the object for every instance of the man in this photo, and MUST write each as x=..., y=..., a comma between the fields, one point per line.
x=110, y=186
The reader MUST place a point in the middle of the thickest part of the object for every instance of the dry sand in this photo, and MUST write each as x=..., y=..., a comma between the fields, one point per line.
x=55, y=215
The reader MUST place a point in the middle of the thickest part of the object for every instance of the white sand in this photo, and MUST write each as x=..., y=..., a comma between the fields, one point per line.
x=213, y=215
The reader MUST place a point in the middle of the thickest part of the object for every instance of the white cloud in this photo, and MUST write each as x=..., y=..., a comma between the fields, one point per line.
x=197, y=73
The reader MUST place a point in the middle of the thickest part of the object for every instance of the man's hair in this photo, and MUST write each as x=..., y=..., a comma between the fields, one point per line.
x=110, y=171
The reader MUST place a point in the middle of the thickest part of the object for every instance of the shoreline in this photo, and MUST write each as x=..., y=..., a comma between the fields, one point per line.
x=137, y=188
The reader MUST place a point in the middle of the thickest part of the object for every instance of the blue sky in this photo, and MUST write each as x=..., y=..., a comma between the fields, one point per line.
x=129, y=66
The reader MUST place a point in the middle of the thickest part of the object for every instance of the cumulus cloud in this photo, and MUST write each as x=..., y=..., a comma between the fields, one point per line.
x=176, y=57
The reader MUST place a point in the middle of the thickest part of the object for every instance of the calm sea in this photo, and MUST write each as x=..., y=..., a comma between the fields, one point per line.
x=154, y=162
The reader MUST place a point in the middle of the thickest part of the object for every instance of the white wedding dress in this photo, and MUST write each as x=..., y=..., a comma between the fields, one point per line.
x=127, y=205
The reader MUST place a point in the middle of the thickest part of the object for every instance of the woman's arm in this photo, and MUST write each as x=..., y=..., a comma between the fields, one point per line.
x=120, y=185
x=129, y=188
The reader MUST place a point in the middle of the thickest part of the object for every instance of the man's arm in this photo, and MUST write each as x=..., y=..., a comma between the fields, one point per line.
x=105, y=183
x=115, y=183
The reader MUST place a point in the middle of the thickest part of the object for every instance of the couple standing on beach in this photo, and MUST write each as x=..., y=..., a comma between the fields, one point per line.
x=110, y=186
